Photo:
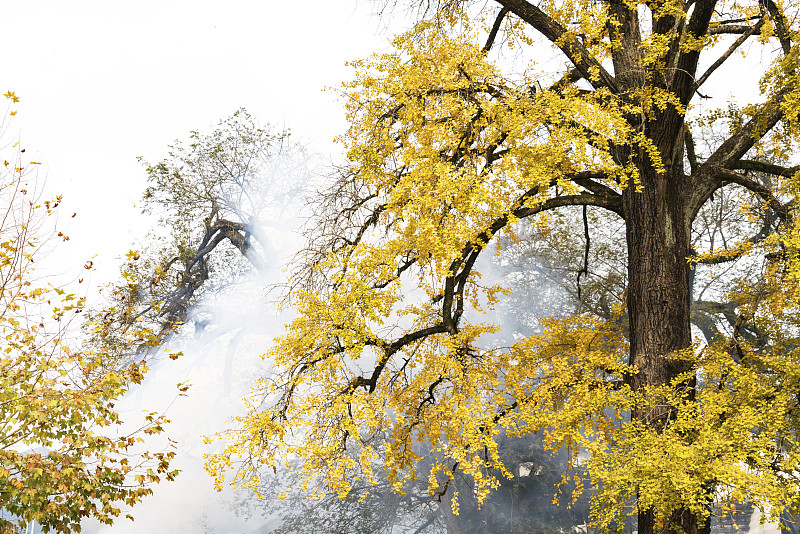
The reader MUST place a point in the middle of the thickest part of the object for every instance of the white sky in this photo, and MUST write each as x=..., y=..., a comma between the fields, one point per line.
x=103, y=82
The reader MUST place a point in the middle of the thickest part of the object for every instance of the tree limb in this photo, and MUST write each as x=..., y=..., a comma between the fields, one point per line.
x=724, y=57
x=585, y=269
x=766, y=168
x=577, y=53
x=780, y=25
x=587, y=181
x=495, y=28
x=686, y=65
x=735, y=29
x=691, y=155
x=766, y=194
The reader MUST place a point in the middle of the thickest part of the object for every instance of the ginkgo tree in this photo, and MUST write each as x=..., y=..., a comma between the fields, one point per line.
x=64, y=455
x=451, y=146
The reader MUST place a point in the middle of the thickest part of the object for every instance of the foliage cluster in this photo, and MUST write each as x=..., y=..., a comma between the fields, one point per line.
x=215, y=197
x=63, y=453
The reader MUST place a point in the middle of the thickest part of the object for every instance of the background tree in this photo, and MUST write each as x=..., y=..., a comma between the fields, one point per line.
x=522, y=503
x=62, y=454
x=215, y=197
x=447, y=152
x=294, y=507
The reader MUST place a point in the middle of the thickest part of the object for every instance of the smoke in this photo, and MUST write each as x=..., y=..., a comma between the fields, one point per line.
x=220, y=363
x=222, y=343
x=222, y=348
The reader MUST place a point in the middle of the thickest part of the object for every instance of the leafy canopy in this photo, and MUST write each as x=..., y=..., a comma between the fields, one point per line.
x=448, y=150
x=214, y=195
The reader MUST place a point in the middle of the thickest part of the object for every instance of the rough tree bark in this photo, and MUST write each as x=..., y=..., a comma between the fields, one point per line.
x=658, y=301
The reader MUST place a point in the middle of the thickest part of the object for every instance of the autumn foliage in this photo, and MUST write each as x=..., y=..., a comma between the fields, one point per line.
x=451, y=150
x=63, y=455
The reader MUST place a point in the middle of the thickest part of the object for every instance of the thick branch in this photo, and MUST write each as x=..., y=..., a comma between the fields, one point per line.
x=691, y=154
x=780, y=25
x=388, y=351
x=611, y=204
x=556, y=34
x=733, y=29
x=766, y=168
x=686, y=66
x=587, y=181
x=728, y=311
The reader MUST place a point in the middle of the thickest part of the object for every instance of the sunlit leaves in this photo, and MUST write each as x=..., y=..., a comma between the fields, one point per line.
x=446, y=152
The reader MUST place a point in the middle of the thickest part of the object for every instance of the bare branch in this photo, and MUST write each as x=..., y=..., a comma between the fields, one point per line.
x=735, y=29
x=495, y=28
x=765, y=193
x=611, y=204
x=585, y=269
x=722, y=59
x=725, y=256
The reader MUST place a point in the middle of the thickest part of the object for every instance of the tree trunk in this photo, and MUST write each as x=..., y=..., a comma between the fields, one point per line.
x=658, y=241
x=657, y=233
